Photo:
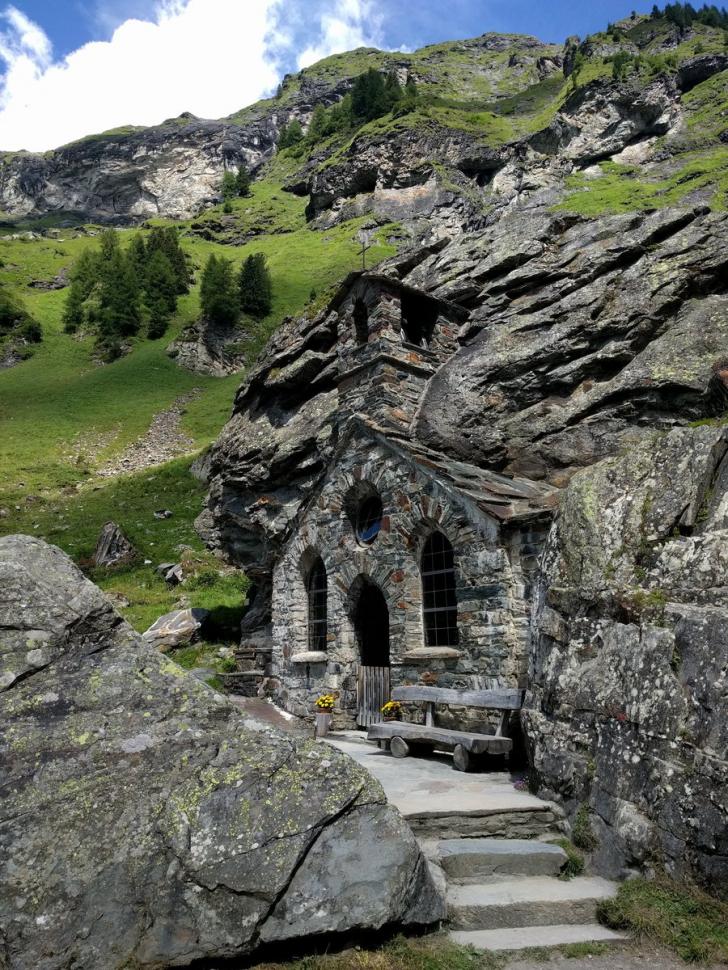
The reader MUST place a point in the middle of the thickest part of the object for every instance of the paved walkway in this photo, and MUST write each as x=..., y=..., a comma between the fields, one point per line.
x=430, y=786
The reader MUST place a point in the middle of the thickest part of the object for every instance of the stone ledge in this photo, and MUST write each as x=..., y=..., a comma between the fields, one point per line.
x=310, y=657
x=431, y=653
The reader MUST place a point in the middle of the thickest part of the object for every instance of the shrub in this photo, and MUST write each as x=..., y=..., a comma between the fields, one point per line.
x=582, y=833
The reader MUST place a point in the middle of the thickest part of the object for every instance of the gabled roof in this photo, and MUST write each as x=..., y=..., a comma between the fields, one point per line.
x=502, y=497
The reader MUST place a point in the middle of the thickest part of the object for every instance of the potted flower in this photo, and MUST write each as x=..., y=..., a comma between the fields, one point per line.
x=392, y=711
x=324, y=711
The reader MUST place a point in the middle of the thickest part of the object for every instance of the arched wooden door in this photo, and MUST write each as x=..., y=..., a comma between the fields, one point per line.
x=371, y=626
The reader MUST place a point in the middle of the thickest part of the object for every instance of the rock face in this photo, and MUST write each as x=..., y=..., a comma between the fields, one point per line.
x=175, y=629
x=626, y=713
x=585, y=336
x=173, y=169
x=113, y=547
x=207, y=348
x=146, y=821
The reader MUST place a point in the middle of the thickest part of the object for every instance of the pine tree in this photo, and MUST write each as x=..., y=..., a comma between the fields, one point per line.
x=317, y=126
x=368, y=96
x=392, y=89
x=161, y=293
x=167, y=242
x=137, y=253
x=120, y=299
x=218, y=293
x=73, y=311
x=290, y=135
x=256, y=287
x=229, y=186
x=242, y=181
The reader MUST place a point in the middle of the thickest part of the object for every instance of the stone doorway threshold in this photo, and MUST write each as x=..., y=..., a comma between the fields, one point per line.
x=439, y=802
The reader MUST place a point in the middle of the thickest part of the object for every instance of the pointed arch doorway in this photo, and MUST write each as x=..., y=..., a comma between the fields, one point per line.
x=370, y=618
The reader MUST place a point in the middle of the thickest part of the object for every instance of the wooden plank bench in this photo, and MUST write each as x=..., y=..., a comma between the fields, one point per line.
x=401, y=736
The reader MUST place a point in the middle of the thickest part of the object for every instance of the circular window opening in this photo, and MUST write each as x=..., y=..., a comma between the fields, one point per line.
x=369, y=520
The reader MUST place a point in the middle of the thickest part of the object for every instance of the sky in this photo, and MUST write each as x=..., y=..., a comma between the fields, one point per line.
x=74, y=67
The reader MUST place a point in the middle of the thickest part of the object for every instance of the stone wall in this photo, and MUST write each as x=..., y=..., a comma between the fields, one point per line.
x=627, y=713
x=493, y=571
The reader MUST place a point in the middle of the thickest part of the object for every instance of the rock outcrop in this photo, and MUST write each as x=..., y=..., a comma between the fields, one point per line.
x=113, y=548
x=173, y=169
x=626, y=713
x=585, y=336
x=146, y=821
x=207, y=348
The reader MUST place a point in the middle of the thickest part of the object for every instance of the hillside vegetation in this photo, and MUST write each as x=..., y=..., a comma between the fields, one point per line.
x=69, y=412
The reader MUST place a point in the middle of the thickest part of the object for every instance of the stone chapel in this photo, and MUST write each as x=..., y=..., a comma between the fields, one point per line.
x=404, y=566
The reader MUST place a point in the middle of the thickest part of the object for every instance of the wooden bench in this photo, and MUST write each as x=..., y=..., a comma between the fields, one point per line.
x=401, y=736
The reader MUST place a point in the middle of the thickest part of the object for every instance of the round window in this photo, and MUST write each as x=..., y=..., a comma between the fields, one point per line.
x=369, y=520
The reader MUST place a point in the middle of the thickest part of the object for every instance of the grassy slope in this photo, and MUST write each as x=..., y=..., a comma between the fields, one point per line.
x=62, y=415
x=696, y=159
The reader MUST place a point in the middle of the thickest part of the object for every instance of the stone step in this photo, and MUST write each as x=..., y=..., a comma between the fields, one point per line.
x=526, y=901
x=524, y=937
x=530, y=822
x=470, y=860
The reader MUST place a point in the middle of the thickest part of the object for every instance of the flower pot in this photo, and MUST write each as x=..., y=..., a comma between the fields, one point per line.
x=323, y=724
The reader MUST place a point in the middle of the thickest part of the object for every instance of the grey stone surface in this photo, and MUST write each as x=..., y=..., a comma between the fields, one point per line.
x=175, y=629
x=468, y=860
x=113, y=548
x=526, y=937
x=146, y=820
x=626, y=715
x=527, y=901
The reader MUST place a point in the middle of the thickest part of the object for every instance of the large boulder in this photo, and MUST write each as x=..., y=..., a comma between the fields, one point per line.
x=146, y=821
x=627, y=714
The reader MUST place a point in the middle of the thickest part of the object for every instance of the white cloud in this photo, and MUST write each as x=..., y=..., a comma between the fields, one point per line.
x=210, y=57
x=355, y=24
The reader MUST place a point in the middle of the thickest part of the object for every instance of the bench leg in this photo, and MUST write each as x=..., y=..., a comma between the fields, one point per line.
x=399, y=748
x=383, y=744
x=461, y=758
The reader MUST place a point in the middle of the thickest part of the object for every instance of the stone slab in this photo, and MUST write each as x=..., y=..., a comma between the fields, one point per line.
x=428, y=787
x=465, y=860
x=524, y=937
x=527, y=901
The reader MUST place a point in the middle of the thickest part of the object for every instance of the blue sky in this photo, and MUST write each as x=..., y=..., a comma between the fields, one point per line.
x=71, y=67
x=70, y=23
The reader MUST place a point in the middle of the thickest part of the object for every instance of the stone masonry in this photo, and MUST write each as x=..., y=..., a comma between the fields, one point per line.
x=496, y=525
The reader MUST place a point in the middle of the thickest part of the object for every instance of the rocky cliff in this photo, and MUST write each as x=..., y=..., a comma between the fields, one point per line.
x=591, y=256
x=626, y=714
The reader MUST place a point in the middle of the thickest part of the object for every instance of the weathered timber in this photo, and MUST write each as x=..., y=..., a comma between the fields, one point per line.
x=499, y=699
x=440, y=737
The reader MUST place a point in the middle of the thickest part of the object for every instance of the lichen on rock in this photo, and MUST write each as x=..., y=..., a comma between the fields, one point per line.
x=146, y=820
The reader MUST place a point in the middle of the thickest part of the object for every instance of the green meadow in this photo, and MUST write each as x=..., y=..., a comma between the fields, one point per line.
x=63, y=414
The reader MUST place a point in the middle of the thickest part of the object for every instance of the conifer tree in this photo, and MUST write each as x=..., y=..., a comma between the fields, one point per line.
x=73, y=311
x=290, y=134
x=317, y=127
x=218, y=293
x=256, y=288
x=229, y=186
x=368, y=97
x=120, y=299
x=392, y=89
x=161, y=293
x=242, y=181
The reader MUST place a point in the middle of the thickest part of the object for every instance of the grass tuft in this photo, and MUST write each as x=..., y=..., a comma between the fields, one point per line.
x=680, y=917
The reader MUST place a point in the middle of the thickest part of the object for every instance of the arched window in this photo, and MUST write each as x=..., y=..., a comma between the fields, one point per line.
x=361, y=321
x=317, y=595
x=439, y=605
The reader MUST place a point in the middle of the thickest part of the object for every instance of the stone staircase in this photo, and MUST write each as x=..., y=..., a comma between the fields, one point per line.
x=506, y=894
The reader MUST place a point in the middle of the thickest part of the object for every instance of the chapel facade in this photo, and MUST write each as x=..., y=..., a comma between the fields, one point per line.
x=405, y=565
